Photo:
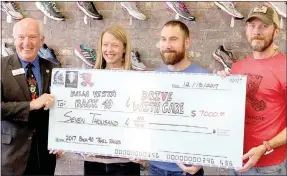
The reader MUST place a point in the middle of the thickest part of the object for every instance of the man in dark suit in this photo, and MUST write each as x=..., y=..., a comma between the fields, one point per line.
x=25, y=82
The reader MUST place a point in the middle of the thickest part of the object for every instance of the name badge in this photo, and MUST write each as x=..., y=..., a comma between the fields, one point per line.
x=18, y=71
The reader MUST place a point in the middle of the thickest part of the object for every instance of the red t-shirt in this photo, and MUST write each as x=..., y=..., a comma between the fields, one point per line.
x=265, y=114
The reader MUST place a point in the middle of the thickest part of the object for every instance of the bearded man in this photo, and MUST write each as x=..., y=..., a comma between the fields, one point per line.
x=265, y=114
x=174, y=45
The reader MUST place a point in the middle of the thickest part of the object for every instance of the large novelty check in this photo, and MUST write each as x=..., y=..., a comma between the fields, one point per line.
x=172, y=117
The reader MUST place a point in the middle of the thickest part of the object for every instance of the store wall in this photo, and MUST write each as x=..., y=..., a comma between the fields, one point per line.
x=211, y=29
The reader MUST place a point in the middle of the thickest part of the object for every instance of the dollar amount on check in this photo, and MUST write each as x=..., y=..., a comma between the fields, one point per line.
x=171, y=117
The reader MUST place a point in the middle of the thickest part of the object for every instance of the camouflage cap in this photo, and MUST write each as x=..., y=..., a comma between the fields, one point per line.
x=267, y=14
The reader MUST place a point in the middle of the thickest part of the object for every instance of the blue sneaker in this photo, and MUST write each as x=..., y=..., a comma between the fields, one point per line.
x=86, y=54
x=48, y=54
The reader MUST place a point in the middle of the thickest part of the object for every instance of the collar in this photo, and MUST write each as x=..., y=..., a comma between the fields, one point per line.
x=35, y=62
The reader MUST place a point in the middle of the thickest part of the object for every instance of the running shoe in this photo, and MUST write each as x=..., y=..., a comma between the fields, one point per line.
x=7, y=49
x=86, y=54
x=229, y=8
x=48, y=53
x=50, y=9
x=136, y=62
x=89, y=9
x=181, y=10
x=133, y=10
x=11, y=9
x=224, y=57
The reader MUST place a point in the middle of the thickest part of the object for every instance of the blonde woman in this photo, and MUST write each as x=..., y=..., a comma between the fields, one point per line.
x=114, y=49
x=114, y=52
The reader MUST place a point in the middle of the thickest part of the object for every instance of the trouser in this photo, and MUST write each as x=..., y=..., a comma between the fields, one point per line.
x=279, y=169
x=155, y=171
x=40, y=162
x=95, y=168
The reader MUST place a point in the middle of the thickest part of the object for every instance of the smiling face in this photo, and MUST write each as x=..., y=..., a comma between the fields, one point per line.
x=173, y=45
x=28, y=39
x=113, y=49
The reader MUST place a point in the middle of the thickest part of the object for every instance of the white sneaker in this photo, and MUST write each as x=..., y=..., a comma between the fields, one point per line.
x=11, y=9
x=133, y=10
x=136, y=62
x=229, y=8
x=7, y=49
x=280, y=7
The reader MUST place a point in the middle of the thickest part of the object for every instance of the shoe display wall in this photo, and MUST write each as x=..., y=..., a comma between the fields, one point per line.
x=143, y=20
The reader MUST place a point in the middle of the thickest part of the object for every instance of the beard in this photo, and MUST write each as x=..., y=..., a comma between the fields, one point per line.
x=172, y=57
x=265, y=42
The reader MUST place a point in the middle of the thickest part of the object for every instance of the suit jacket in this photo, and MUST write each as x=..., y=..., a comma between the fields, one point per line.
x=17, y=121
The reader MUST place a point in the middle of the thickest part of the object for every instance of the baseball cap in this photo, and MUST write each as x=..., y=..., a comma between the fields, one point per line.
x=267, y=14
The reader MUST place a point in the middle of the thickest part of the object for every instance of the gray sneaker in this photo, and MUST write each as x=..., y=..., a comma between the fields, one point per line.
x=11, y=9
x=89, y=9
x=224, y=57
x=133, y=10
x=50, y=9
x=229, y=8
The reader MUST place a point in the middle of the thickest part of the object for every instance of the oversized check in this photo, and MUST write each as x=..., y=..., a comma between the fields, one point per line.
x=173, y=117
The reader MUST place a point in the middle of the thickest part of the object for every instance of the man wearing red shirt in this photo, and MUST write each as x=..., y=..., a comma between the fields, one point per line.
x=265, y=119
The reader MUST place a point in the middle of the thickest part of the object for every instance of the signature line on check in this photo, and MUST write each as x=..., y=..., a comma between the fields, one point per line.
x=200, y=88
x=160, y=129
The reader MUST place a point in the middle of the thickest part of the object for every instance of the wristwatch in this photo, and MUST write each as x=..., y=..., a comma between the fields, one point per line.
x=267, y=147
